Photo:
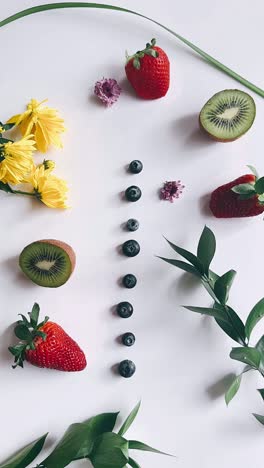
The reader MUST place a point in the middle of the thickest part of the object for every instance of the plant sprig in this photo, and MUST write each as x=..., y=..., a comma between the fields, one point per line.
x=94, y=440
x=226, y=317
x=208, y=58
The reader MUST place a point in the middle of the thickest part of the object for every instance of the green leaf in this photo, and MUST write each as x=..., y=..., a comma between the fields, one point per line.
x=256, y=314
x=208, y=58
x=188, y=256
x=68, y=447
x=212, y=312
x=259, y=186
x=260, y=347
x=253, y=170
x=206, y=248
x=133, y=463
x=34, y=315
x=23, y=333
x=235, y=328
x=182, y=265
x=223, y=285
x=136, y=445
x=130, y=419
x=261, y=392
x=5, y=187
x=24, y=457
x=233, y=389
x=258, y=417
x=97, y=425
x=244, y=189
x=110, y=451
x=250, y=356
x=136, y=63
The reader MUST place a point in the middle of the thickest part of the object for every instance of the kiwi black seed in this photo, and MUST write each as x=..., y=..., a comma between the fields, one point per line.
x=48, y=262
x=228, y=115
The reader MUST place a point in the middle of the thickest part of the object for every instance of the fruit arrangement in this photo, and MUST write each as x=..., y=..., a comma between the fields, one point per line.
x=225, y=117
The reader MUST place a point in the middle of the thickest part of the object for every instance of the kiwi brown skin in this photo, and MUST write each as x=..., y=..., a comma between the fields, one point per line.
x=220, y=140
x=66, y=247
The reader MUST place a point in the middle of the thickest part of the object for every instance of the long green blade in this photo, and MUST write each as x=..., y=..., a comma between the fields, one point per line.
x=207, y=57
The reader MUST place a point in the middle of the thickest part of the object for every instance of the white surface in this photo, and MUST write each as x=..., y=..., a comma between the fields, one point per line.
x=179, y=356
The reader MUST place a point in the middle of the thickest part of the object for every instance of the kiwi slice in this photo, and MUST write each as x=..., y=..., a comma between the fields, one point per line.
x=228, y=115
x=48, y=262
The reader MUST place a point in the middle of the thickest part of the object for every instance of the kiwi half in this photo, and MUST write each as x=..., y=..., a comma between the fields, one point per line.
x=48, y=262
x=228, y=115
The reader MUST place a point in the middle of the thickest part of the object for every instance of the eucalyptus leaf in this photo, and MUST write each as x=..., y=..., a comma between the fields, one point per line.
x=233, y=389
x=136, y=445
x=259, y=186
x=259, y=418
x=247, y=355
x=261, y=392
x=235, y=328
x=243, y=189
x=212, y=312
x=68, y=447
x=131, y=462
x=182, y=266
x=260, y=347
x=110, y=450
x=206, y=248
x=96, y=426
x=24, y=457
x=188, y=256
x=256, y=314
x=223, y=285
x=130, y=419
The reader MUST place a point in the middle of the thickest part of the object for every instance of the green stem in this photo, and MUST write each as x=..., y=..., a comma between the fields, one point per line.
x=207, y=57
x=20, y=192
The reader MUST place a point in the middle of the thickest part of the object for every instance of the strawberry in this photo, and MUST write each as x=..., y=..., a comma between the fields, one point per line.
x=148, y=71
x=46, y=344
x=243, y=197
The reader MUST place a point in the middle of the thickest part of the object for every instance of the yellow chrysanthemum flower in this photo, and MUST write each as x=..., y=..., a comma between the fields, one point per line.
x=16, y=160
x=48, y=188
x=41, y=121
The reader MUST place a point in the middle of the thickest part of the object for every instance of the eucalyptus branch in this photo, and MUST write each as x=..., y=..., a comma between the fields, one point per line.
x=227, y=319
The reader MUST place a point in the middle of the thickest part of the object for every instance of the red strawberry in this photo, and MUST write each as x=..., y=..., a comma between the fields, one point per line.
x=148, y=71
x=46, y=345
x=243, y=197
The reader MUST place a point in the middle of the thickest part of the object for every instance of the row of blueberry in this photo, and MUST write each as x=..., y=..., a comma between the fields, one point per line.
x=130, y=248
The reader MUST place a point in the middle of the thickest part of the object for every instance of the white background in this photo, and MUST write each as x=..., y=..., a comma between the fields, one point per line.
x=181, y=358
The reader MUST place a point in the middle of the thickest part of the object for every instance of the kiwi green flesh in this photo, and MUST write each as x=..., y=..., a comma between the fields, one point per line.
x=228, y=115
x=46, y=264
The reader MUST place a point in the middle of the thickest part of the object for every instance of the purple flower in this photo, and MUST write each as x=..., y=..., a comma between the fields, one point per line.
x=171, y=190
x=108, y=91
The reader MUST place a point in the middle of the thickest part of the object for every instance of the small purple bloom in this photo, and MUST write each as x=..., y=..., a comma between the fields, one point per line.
x=171, y=190
x=108, y=91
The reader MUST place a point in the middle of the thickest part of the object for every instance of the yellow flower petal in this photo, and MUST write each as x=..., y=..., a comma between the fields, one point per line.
x=51, y=190
x=17, y=160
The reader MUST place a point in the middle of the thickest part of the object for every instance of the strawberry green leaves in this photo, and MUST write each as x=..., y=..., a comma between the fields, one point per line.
x=24, y=457
x=206, y=249
x=256, y=314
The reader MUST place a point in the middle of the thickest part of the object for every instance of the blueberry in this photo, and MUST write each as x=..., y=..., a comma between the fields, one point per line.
x=133, y=193
x=131, y=248
x=135, y=166
x=127, y=368
x=128, y=339
x=129, y=281
x=124, y=309
x=132, y=224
